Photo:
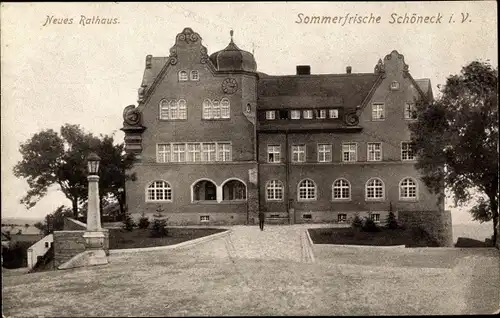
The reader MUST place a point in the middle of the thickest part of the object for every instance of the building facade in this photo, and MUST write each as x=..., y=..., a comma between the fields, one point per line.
x=217, y=141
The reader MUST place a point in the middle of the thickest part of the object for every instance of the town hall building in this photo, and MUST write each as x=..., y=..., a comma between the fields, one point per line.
x=216, y=141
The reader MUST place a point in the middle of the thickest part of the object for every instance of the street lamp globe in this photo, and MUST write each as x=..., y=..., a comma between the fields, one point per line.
x=93, y=163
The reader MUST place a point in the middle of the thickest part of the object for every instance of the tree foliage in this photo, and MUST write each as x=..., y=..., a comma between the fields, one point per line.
x=49, y=158
x=456, y=139
x=54, y=221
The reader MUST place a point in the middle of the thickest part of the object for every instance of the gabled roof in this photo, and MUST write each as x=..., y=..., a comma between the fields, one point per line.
x=315, y=91
x=425, y=86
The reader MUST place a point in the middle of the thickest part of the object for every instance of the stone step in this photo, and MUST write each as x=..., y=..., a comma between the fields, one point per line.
x=277, y=221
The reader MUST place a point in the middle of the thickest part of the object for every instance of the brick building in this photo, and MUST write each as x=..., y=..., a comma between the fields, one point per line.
x=217, y=141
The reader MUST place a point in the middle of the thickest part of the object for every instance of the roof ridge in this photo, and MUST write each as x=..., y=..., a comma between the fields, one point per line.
x=320, y=75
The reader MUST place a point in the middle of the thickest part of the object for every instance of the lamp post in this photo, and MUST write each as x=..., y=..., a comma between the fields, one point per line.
x=94, y=235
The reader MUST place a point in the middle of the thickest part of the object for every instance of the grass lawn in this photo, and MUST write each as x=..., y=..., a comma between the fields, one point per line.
x=121, y=239
x=349, y=236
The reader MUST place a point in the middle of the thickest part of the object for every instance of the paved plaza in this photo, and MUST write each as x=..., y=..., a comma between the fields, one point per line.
x=270, y=272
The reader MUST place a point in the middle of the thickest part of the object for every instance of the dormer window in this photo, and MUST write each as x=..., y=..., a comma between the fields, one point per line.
x=270, y=114
x=195, y=76
x=183, y=76
x=333, y=113
x=394, y=85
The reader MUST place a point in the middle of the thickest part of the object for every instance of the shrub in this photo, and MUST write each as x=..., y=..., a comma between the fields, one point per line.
x=370, y=226
x=128, y=223
x=357, y=223
x=391, y=221
x=143, y=221
x=422, y=238
x=159, y=228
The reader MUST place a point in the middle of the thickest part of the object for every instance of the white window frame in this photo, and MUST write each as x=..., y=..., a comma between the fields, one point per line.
x=224, y=151
x=407, y=151
x=307, y=114
x=194, y=75
x=307, y=188
x=295, y=114
x=342, y=220
x=371, y=154
x=216, y=111
x=207, y=153
x=183, y=76
x=378, y=112
x=204, y=218
x=181, y=109
x=162, y=154
x=322, y=114
x=324, y=153
x=179, y=153
x=299, y=150
x=166, y=188
x=409, y=109
x=368, y=186
x=207, y=109
x=164, y=109
x=225, y=108
x=193, y=152
x=333, y=113
x=276, y=151
x=394, y=85
x=274, y=187
x=406, y=187
x=350, y=151
x=344, y=184
x=270, y=114
x=375, y=217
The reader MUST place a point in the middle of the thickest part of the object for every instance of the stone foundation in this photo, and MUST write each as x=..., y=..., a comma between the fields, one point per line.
x=436, y=223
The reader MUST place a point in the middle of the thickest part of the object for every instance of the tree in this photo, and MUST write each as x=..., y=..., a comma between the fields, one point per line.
x=456, y=140
x=53, y=159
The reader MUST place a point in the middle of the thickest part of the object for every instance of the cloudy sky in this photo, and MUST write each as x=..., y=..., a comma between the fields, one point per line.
x=83, y=73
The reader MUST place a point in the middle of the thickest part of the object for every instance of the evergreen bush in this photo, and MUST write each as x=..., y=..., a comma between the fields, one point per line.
x=128, y=223
x=357, y=223
x=391, y=222
x=370, y=226
x=143, y=221
x=159, y=228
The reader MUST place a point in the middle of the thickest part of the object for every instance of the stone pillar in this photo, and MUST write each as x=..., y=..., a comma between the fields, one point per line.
x=94, y=235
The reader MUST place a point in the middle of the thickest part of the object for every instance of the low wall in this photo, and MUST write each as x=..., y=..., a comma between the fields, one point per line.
x=39, y=249
x=436, y=223
x=74, y=225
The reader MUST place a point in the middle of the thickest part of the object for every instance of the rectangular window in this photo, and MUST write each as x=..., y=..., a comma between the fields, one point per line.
x=324, y=153
x=273, y=153
x=283, y=114
x=407, y=151
x=375, y=217
x=307, y=216
x=179, y=152
x=270, y=114
x=299, y=153
x=374, y=151
x=394, y=85
x=204, y=218
x=378, y=112
x=295, y=114
x=193, y=152
x=163, y=154
x=195, y=76
x=308, y=114
x=342, y=218
x=349, y=152
x=224, y=151
x=208, y=152
x=322, y=114
x=410, y=111
x=333, y=113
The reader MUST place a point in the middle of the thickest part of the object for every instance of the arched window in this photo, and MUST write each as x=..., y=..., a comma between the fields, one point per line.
x=164, y=109
x=234, y=190
x=375, y=189
x=407, y=189
x=215, y=109
x=274, y=190
x=159, y=191
x=341, y=190
x=307, y=190
x=183, y=76
x=225, y=108
x=204, y=190
x=207, y=109
x=173, y=109
x=182, y=109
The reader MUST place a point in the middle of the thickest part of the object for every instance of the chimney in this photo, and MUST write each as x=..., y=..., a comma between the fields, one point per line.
x=348, y=69
x=303, y=70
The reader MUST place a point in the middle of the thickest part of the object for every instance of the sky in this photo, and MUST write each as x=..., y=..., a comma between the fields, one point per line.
x=84, y=73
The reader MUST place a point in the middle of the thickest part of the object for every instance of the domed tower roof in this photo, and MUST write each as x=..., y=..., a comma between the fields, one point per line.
x=232, y=58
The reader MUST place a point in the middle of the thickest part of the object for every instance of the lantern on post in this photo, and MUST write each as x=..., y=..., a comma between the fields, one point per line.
x=93, y=161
